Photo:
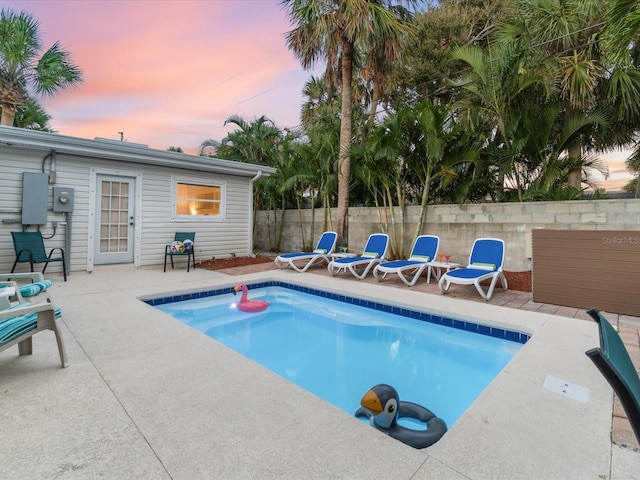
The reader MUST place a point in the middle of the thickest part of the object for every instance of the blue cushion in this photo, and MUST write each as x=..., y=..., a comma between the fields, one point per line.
x=327, y=241
x=294, y=254
x=469, y=273
x=403, y=263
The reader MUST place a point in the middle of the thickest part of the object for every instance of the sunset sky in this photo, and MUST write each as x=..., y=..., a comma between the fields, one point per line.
x=169, y=73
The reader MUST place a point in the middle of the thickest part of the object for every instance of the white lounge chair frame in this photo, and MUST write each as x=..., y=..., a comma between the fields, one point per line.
x=410, y=270
x=359, y=266
x=46, y=321
x=309, y=258
x=17, y=280
x=479, y=270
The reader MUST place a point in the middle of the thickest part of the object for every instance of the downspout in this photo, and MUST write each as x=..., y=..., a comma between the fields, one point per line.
x=251, y=212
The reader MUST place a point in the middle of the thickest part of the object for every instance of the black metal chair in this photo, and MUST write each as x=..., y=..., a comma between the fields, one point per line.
x=29, y=247
x=174, y=250
x=613, y=361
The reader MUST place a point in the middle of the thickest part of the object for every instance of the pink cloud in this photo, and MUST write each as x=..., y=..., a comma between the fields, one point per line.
x=158, y=69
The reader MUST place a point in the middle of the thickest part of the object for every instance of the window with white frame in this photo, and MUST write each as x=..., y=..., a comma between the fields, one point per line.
x=199, y=200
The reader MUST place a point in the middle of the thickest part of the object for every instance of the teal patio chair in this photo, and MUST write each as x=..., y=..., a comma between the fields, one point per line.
x=186, y=239
x=614, y=363
x=29, y=247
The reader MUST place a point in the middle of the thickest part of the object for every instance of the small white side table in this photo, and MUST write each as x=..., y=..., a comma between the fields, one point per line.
x=5, y=294
x=438, y=268
x=343, y=255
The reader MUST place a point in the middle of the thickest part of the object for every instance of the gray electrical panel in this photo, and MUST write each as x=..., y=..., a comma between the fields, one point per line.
x=63, y=199
x=35, y=198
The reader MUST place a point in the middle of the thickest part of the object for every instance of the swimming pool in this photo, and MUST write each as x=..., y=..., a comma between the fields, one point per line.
x=337, y=347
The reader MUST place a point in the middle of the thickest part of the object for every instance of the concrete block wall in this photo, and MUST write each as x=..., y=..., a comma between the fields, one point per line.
x=459, y=225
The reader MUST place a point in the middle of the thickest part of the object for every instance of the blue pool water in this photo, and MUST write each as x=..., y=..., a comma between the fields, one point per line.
x=338, y=351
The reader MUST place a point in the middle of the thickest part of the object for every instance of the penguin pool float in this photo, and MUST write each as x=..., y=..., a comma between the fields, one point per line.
x=383, y=408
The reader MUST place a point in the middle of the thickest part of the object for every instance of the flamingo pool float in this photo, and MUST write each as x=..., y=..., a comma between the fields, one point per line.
x=246, y=305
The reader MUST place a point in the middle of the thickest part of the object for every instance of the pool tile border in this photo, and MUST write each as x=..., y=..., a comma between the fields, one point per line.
x=518, y=337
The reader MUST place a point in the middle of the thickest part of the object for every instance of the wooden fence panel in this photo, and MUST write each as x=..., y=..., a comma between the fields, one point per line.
x=588, y=268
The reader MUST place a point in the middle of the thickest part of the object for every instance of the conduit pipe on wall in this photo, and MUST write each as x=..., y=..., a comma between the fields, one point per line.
x=52, y=168
x=251, y=212
x=67, y=243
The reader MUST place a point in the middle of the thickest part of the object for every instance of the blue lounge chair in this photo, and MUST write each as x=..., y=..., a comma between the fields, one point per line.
x=613, y=361
x=374, y=253
x=425, y=250
x=485, y=263
x=322, y=253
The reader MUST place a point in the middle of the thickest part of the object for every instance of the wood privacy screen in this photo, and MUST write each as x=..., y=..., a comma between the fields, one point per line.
x=588, y=268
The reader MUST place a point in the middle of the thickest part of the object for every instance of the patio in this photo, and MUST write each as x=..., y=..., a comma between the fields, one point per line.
x=147, y=397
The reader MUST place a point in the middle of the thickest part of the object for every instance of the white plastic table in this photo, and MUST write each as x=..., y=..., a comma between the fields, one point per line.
x=438, y=268
x=343, y=255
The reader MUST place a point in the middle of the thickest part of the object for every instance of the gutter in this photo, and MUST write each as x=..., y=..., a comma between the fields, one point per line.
x=129, y=153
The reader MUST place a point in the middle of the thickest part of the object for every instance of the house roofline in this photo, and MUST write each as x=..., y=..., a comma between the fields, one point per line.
x=124, y=152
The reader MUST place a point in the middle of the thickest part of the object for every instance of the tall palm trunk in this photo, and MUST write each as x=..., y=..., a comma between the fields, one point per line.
x=301, y=223
x=424, y=203
x=344, y=154
x=8, y=115
x=280, y=228
x=575, y=174
x=375, y=100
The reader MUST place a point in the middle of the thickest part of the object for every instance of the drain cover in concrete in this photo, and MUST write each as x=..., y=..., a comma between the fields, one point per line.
x=568, y=389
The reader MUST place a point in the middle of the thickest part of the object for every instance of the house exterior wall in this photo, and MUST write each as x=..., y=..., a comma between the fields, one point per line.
x=156, y=229
x=459, y=225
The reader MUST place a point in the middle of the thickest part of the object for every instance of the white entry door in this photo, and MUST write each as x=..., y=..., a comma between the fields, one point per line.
x=114, y=220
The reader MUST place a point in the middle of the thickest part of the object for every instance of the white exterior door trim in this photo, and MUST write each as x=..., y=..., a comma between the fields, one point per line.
x=94, y=172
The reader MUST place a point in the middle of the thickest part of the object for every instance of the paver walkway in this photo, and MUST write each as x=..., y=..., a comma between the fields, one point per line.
x=628, y=326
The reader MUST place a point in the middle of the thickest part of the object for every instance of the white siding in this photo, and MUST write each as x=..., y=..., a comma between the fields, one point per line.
x=213, y=238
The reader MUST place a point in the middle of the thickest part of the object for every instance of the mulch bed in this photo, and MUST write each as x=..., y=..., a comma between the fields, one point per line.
x=520, y=281
x=222, y=263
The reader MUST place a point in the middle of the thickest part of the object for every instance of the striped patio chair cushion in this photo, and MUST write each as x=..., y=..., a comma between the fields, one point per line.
x=13, y=327
x=31, y=289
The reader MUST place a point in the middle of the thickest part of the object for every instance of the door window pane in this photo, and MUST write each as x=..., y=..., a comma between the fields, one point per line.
x=114, y=217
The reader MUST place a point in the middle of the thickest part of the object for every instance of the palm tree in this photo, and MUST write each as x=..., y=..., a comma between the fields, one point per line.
x=322, y=100
x=633, y=164
x=623, y=26
x=32, y=117
x=21, y=69
x=587, y=75
x=623, y=30
x=335, y=30
x=254, y=142
x=497, y=86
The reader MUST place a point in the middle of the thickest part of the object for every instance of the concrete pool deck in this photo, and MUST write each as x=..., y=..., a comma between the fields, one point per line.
x=147, y=397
